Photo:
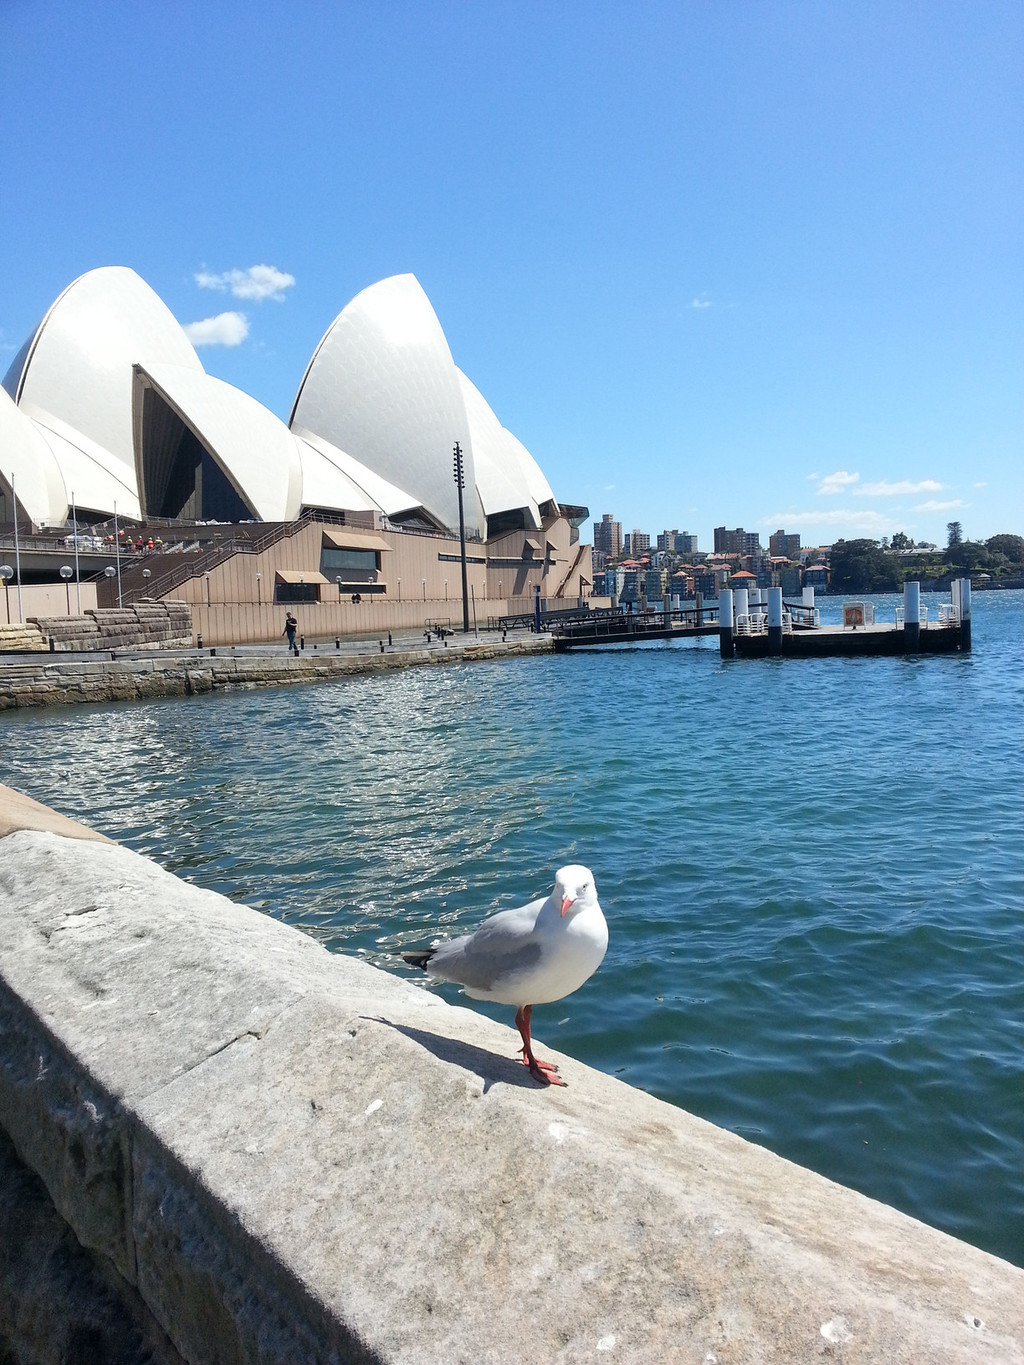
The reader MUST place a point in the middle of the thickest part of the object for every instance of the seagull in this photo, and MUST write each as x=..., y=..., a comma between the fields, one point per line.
x=529, y=956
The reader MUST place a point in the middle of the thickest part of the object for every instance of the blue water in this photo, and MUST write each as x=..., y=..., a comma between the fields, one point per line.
x=812, y=871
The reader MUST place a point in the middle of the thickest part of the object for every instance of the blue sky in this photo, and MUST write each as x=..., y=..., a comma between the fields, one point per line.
x=713, y=261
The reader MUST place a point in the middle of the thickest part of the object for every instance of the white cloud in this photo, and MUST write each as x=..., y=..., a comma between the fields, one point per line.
x=902, y=489
x=850, y=521
x=701, y=301
x=226, y=329
x=259, y=282
x=932, y=506
x=982, y=484
x=836, y=483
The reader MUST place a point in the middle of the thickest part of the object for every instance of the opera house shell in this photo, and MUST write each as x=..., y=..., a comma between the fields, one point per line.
x=107, y=403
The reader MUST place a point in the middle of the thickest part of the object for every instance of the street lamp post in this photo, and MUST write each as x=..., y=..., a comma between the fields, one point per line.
x=399, y=590
x=17, y=553
x=446, y=590
x=147, y=574
x=459, y=469
x=259, y=590
x=7, y=573
x=65, y=572
x=117, y=556
x=424, y=589
x=78, y=575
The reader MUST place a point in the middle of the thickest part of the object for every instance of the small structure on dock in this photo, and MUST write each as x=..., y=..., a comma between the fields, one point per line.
x=775, y=629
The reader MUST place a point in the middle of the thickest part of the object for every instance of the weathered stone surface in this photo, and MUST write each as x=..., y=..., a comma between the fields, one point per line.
x=48, y=682
x=323, y=1153
x=58, y=1304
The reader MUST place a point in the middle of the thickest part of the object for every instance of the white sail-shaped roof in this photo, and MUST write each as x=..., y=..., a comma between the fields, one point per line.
x=382, y=386
x=376, y=492
x=78, y=365
x=500, y=480
x=254, y=448
x=28, y=462
x=92, y=476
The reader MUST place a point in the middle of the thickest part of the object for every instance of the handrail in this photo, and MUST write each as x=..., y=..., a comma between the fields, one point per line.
x=227, y=549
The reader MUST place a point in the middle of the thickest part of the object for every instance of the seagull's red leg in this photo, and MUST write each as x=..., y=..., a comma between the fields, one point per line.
x=541, y=1071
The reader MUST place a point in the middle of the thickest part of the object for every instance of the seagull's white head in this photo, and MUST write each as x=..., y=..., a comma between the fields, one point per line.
x=574, y=886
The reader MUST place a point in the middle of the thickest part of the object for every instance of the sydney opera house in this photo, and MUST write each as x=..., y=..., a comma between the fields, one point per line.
x=107, y=406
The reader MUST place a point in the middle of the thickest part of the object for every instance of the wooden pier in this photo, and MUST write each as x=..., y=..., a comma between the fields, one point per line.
x=768, y=627
x=616, y=626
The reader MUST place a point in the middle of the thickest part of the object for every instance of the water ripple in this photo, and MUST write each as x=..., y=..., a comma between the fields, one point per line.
x=812, y=872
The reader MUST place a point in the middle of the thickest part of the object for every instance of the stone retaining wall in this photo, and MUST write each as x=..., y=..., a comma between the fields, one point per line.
x=280, y=1155
x=49, y=682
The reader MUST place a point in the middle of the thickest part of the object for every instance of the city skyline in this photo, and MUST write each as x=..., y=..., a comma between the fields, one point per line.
x=694, y=255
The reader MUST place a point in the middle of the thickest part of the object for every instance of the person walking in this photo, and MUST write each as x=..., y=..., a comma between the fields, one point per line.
x=290, y=627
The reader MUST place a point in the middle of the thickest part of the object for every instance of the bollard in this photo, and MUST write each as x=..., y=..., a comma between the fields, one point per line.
x=199, y=642
x=51, y=644
x=774, y=620
x=337, y=643
x=302, y=642
x=381, y=643
x=389, y=639
x=725, y=623
x=213, y=653
x=911, y=617
x=965, y=615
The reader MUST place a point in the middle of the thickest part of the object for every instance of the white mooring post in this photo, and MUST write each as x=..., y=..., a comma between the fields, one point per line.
x=740, y=602
x=965, y=615
x=911, y=617
x=725, y=622
x=807, y=596
x=774, y=620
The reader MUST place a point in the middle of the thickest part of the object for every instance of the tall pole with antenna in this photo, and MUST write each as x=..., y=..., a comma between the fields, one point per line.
x=460, y=484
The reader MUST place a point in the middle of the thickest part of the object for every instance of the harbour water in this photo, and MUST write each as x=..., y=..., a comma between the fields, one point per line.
x=812, y=871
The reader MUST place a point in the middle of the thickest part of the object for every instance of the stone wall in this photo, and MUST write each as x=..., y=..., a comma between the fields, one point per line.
x=276, y=1154
x=49, y=682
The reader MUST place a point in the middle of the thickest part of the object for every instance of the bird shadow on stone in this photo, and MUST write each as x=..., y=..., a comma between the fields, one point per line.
x=491, y=1067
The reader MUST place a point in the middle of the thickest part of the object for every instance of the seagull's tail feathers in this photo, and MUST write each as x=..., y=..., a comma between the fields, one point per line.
x=420, y=958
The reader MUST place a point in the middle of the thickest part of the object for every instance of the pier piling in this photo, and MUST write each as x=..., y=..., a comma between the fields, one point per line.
x=774, y=620
x=725, y=623
x=911, y=617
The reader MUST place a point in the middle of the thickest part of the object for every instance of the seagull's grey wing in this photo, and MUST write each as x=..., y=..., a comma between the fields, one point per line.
x=502, y=947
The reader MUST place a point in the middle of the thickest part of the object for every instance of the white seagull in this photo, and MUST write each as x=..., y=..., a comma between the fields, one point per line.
x=529, y=956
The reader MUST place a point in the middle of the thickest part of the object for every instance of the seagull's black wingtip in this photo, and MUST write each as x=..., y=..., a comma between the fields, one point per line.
x=419, y=959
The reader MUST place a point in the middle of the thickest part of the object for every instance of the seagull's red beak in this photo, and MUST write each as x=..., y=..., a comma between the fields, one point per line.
x=566, y=902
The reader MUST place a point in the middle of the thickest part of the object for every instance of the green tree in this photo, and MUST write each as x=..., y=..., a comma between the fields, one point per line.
x=862, y=566
x=900, y=541
x=1012, y=547
x=954, y=534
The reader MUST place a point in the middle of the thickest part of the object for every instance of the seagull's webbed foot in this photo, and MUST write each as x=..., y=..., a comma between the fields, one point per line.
x=531, y=1061
x=543, y=1072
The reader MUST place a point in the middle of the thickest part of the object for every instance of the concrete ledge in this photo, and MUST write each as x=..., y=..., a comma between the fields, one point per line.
x=44, y=681
x=293, y=1156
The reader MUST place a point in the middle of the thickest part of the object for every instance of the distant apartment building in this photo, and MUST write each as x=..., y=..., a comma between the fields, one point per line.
x=679, y=542
x=782, y=546
x=639, y=543
x=654, y=584
x=608, y=536
x=706, y=584
x=737, y=542
x=791, y=580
